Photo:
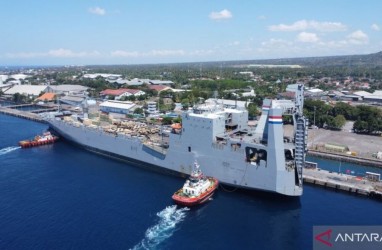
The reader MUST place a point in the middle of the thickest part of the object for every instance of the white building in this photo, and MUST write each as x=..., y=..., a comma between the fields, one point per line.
x=117, y=107
x=120, y=93
x=370, y=97
x=249, y=94
x=160, y=82
x=106, y=76
x=29, y=90
x=3, y=78
x=152, y=107
x=19, y=76
x=315, y=92
x=69, y=89
x=229, y=103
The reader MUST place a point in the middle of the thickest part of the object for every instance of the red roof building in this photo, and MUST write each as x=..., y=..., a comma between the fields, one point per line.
x=159, y=88
x=119, y=93
x=47, y=97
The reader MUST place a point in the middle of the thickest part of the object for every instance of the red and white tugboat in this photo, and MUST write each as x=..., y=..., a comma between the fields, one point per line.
x=45, y=138
x=197, y=189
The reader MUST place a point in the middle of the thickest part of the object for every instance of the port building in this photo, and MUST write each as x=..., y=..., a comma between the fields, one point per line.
x=117, y=94
x=28, y=90
x=117, y=107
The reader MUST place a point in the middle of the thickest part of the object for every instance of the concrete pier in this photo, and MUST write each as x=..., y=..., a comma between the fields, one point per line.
x=343, y=182
x=21, y=114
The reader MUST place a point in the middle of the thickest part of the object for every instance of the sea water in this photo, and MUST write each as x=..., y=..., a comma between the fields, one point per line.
x=60, y=196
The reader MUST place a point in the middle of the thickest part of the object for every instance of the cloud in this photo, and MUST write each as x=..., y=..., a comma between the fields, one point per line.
x=358, y=37
x=235, y=43
x=311, y=44
x=224, y=14
x=122, y=53
x=201, y=52
x=57, y=53
x=69, y=53
x=167, y=52
x=277, y=48
x=375, y=27
x=280, y=43
x=303, y=25
x=97, y=11
x=155, y=53
x=306, y=37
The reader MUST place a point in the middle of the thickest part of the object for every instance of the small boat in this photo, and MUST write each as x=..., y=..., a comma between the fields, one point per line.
x=45, y=138
x=197, y=189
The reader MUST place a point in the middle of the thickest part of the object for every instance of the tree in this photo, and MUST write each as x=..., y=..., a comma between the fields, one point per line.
x=339, y=121
x=317, y=110
x=19, y=98
x=138, y=111
x=142, y=97
x=360, y=126
x=166, y=120
x=185, y=103
x=345, y=109
x=131, y=98
x=252, y=110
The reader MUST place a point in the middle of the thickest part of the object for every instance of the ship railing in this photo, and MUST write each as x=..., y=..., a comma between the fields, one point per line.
x=218, y=145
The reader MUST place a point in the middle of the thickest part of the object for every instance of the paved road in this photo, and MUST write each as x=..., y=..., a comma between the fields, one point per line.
x=362, y=145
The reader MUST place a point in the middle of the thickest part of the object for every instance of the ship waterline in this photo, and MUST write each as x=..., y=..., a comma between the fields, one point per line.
x=219, y=138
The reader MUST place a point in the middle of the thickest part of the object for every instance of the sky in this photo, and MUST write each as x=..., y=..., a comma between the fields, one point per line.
x=83, y=32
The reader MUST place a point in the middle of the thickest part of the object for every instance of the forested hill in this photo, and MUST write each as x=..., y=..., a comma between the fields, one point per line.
x=369, y=60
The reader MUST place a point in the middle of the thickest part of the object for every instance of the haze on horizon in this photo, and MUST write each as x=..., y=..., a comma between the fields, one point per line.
x=169, y=31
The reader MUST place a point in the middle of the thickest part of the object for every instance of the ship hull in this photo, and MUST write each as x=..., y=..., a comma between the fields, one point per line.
x=228, y=169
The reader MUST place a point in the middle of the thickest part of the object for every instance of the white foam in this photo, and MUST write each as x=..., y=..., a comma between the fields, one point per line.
x=7, y=150
x=168, y=219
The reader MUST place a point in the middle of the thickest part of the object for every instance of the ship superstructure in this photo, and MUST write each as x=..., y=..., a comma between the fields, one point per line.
x=220, y=138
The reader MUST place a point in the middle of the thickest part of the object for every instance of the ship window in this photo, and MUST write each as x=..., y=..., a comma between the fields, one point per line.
x=289, y=154
x=189, y=149
x=255, y=155
x=235, y=146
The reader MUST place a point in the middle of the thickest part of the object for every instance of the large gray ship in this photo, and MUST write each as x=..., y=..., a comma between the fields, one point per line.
x=219, y=138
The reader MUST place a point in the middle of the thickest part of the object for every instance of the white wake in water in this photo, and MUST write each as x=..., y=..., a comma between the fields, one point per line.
x=7, y=150
x=168, y=219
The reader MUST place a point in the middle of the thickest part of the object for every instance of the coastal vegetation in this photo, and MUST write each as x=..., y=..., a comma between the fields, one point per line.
x=230, y=79
x=367, y=119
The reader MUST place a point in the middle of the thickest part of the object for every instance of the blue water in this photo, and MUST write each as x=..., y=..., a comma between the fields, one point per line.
x=62, y=197
x=343, y=167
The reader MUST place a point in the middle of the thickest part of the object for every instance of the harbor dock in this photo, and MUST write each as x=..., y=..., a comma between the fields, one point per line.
x=21, y=114
x=343, y=182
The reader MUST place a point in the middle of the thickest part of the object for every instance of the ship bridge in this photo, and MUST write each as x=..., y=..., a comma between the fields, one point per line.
x=208, y=107
x=288, y=106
